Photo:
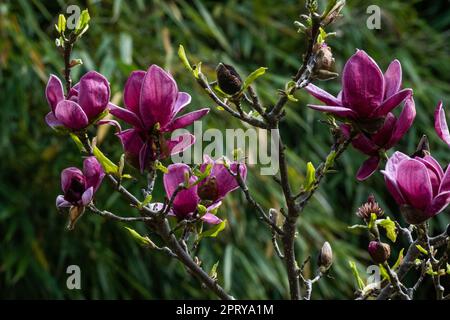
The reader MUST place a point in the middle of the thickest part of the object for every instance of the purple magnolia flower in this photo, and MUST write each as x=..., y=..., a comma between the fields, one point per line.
x=79, y=186
x=375, y=145
x=216, y=186
x=186, y=201
x=419, y=186
x=219, y=182
x=152, y=101
x=367, y=95
x=440, y=124
x=83, y=104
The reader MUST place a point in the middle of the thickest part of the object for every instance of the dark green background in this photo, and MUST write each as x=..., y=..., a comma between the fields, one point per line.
x=35, y=248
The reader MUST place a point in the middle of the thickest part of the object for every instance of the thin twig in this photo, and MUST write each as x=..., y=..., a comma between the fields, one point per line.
x=112, y=216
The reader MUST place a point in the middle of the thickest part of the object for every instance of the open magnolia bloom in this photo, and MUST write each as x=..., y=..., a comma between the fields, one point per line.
x=152, y=101
x=79, y=186
x=85, y=102
x=374, y=145
x=219, y=182
x=367, y=95
x=419, y=186
x=440, y=124
x=209, y=192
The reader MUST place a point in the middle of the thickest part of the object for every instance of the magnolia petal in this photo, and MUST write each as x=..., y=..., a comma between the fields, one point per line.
x=362, y=84
x=132, y=90
x=144, y=156
x=68, y=174
x=392, y=78
x=61, y=202
x=368, y=168
x=211, y=218
x=157, y=99
x=403, y=123
x=338, y=111
x=132, y=144
x=434, y=173
x=125, y=115
x=393, y=189
x=52, y=121
x=440, y=202
x=440, y=124
x=362, y=143
x=393, y=101
x=94, y=94
x=54, y=91
x=110, y=122
x=180, y=143
x=183, y=99
x=71, y=115
x=384, y=134
x=414, y=183
x=185, y=202
x=93, y=171
x=87, y=196
x=186, y=120
x=393, y=163
x=322, y=95
x=445, y=182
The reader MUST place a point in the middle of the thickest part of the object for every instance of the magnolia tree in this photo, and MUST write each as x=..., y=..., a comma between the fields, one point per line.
x=362, y=115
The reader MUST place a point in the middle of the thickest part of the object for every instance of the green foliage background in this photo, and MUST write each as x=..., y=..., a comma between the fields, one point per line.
x=35, y=248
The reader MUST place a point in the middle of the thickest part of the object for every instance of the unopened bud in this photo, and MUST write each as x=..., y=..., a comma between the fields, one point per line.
x=379, y=251
x=371, y=206
x=423, y=148
x=325, y=259
x=228, y=79
x=324, y=67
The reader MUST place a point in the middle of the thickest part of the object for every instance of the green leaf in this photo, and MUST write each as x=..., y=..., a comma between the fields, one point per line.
x=214, y=231
x=310, y=176
x=253, y=76
x=399, y=260
x=109, y=166
x=329, y=162
x=447, y=268
x=383, y=272
x=288, y=89
x=197, y=70
x=213, y=272
x=159, y=166
x=83, y=21
x=61, y=26
x=78, y=142
x=373, y=219
x=183, y=57
x=146, y=201
x=355, y=272
x=322, y=36
x=389, y=226
x=144, y=241
x=421, y=249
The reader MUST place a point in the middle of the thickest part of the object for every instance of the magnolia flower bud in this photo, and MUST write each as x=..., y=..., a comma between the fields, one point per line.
x=423, y=148
x=228, y=79
x=371, y=206
x=325, y=259
x=324, y=67
x=379, y=251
